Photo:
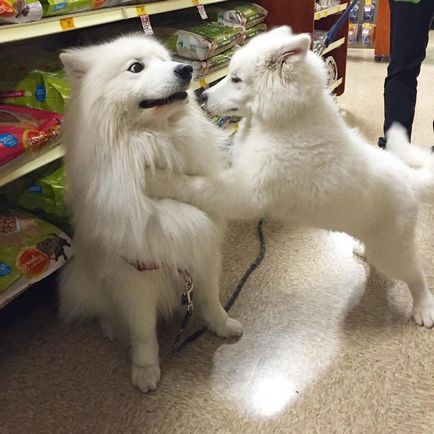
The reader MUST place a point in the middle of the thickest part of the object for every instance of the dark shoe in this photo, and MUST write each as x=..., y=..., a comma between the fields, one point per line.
x=382, y=143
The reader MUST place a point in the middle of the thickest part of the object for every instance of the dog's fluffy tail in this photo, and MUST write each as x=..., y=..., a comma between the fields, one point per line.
x=421, y=160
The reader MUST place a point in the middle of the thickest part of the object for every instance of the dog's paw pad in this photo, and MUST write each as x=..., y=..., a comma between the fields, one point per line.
x=145, y=377
x=230, y=328
x=424, y=314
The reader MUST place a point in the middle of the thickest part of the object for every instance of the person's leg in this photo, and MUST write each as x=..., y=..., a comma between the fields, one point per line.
x=409, y=28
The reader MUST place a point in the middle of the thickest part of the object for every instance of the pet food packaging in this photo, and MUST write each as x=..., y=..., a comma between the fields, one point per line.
x=368, y=33
x=43, y=193
x=353, y=32
x=63, y=7
x=253, y=31
x=25, y=131
x=237, y=13
x=20, y=11
x=38, y=89
x=204, y=67
x=30, y=249
x=201, y=41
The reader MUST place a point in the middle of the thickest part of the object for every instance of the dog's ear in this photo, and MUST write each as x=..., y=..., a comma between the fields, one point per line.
x=75, y=62
x=295, y=49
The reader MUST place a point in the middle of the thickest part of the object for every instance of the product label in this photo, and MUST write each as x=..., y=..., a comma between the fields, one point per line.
x=35, y=189
x=8, y=140
x=40, y=93
x=32, y=262
x=4, y=269
x=12, y=94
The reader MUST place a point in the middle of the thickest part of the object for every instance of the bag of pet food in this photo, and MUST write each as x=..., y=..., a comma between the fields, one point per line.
x=25, y=131
x=38, y=89
x=63, y=7
x=43, y=193
x=30, y=249
x=238, y=13
x=204, y=67
x=20, y=11
x=253, y=31
x=201, y=41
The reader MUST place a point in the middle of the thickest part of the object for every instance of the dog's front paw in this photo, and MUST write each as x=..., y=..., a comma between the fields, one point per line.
x=145, y=377
x=423, y=313
x=231, y=327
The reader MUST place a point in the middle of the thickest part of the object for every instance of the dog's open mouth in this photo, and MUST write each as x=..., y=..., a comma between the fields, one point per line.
x=149, y=103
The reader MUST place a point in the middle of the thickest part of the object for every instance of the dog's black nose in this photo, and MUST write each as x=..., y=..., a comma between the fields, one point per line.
x=203, y=97
x=184, y=72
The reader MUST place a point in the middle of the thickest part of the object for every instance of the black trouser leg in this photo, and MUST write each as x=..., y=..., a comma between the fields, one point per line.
x=409, y=28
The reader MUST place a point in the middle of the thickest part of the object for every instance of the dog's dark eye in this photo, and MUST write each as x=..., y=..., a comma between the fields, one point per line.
x=236, y=79
x=136, y=67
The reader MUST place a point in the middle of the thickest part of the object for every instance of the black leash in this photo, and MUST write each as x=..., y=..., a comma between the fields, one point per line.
x=253, y=266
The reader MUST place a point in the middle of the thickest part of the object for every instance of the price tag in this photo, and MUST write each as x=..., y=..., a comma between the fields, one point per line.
x=203, y=83
x=146, y=24
x=141, y=10
x=201, y=9
x=67, y=23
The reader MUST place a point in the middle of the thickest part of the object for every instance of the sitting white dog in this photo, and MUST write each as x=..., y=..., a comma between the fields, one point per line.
x=130, y=110
x=295, y=159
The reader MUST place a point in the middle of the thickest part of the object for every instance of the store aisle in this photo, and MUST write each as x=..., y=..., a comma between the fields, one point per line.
x=327, y=344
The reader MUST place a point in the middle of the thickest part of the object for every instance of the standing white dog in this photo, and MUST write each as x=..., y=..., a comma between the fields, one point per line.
x=295, y=159
x=130, y=110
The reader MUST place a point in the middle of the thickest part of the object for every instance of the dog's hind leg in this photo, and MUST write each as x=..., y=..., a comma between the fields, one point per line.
x=398, y=258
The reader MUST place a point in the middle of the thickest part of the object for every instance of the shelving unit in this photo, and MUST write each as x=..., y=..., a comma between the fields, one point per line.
x=64, y=23
x=330, y=11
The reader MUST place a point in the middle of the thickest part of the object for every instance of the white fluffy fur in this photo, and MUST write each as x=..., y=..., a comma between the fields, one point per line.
x=111, y=141
x=296, y=160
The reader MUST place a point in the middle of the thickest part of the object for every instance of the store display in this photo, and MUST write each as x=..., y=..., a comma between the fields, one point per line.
x=20, y=11
x=204, y=67
x=25, y=131
x=63, y=7
x=361, y=32
x=39, y=89
x=244, y=14
x=201, y=41
x=253, y=31
x=30, y=249
x=43, y=193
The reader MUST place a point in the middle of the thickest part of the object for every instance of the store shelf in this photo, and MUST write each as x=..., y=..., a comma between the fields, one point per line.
x=336, y=84
x=16, y=172
x=330, y=11
x=49, y=26
x=57, y=152
x=210, y=78
x=334, y=45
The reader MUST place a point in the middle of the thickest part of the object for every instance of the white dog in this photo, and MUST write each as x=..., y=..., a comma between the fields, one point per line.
x=130, y=111
x=295, y=159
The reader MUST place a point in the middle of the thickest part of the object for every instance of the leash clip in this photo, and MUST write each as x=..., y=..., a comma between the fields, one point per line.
x=187, y=296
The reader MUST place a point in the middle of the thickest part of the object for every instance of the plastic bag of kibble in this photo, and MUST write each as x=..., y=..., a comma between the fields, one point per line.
x=38, y=89
x=25, y=131
x=200, y=41
x=20, y=11
x=240, y=13
x=43, y=193
x=30, y=249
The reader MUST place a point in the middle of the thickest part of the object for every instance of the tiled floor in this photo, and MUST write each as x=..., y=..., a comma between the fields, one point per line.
x=327, y=347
